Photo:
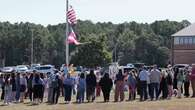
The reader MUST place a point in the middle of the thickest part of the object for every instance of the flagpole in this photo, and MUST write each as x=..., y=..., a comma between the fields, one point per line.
x=67, y=29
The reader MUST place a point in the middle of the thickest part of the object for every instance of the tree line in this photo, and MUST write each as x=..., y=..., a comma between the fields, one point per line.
x=128, y=42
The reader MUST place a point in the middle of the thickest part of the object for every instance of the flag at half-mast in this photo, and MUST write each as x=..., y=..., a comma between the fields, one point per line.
x=71, y=15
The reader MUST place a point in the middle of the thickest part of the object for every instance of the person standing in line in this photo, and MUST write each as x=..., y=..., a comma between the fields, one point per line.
x=2, y=84
x=143, y=76
x=30, y=88
x=56, y=85
x=106, y=86
x=98, y=88
x=37, y=83
x=81, y=87
x=50, y=87
x=163, y=85
x=18, y=87
x=176, y=72
x=119, y=86
x=132, y=85
x=23, y=85
x=186, y=82
x=192, y=79
x=68, y=87
x=8, y=90
x=13, y=83
x=91, y=85
x=180, y=79
x=170, y=81
x=42, y=76
x=155, y=81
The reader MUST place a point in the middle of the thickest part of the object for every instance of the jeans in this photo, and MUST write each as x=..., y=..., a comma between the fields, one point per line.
x=143, y=90
x=67, y=92
x=50, y=94
x=56, y=94
x=186, y=88
x=154, y=87
x=17, y=93
x=80, y=95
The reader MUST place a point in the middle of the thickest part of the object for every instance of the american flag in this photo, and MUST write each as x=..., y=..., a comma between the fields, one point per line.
x=72, y=37
x=71, y=14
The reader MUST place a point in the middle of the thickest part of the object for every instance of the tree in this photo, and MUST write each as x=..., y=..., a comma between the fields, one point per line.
x=93, y=54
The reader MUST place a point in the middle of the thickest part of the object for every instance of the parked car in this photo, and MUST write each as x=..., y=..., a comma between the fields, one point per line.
x=33, y=66
x=21, y=68
x=8, y=69
x=180, y=66
x=138, y=65
x=45, y=69
x=130, y=65
x=125, y=68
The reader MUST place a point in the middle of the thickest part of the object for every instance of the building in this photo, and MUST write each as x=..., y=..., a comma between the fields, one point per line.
x=183, y=46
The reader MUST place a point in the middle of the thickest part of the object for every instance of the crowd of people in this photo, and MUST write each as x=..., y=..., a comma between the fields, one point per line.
x=149, y=83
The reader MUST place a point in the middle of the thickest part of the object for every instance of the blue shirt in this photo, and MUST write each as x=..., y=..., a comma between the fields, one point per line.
x=69, y=81
x=143, y=75
x=81, y=84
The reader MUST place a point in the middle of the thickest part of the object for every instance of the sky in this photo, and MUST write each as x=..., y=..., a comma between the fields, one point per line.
x=117, y=11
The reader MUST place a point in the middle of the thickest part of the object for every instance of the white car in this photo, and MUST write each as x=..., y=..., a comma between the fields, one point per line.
x=33, y=66
x=45, y=69
x=7, y=69
x=21, y=68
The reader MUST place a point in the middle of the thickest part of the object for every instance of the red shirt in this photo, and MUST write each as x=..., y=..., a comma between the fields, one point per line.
x=192, y=76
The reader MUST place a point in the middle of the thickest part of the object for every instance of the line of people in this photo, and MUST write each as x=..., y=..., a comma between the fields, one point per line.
x=153, y=84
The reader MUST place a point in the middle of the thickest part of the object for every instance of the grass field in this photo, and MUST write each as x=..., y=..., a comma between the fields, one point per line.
x=173, y=104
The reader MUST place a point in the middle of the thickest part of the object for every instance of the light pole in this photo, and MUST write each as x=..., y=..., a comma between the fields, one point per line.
x=32, y=40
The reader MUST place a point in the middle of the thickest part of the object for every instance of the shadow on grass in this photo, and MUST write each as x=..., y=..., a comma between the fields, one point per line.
x=2, y=105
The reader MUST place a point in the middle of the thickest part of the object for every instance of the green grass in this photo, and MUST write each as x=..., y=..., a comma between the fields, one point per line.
x=173, y=104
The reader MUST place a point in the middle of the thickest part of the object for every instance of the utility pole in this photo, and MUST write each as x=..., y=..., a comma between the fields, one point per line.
x=32, y=40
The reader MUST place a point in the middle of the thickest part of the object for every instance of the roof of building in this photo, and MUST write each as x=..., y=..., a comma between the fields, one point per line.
x=188, y=31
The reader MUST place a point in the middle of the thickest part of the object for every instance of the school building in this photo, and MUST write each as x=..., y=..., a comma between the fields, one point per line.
x=183, y=46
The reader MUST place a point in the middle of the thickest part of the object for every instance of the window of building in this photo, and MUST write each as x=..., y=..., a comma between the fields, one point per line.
x=176, y=40
x=181, y=40
x=193, y=38
x=185, y=40
x=190, y=40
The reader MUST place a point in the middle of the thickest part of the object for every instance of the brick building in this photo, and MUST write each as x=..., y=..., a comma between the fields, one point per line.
x=183, y=46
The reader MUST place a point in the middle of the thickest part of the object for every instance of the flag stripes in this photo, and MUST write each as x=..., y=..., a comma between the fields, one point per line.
x=71, y=14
